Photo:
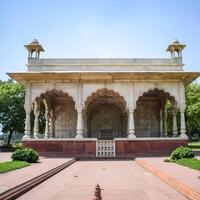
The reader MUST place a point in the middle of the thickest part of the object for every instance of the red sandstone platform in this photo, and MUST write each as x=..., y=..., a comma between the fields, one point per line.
x=86, y=148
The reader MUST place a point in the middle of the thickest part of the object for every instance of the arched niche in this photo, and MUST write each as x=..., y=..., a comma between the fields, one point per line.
x=150, y=112
x=60, y=107
x=106, y=116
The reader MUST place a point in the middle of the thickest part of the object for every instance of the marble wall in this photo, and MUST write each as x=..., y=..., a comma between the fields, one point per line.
x=65, y=120
x=108, y=120
x=147, y=119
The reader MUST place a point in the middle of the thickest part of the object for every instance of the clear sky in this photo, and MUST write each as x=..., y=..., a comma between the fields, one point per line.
x=98, y=28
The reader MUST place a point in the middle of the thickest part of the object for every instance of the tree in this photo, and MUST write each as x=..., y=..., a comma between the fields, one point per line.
x=12, y=114
x=193, y=108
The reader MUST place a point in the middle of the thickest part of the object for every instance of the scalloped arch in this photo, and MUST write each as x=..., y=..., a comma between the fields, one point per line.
x=103, y=92
x=169, y=96
x=38, y=94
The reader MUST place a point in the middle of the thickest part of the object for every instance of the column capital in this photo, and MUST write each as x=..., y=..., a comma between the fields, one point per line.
x=79, y=108
x=131, y=109
x=27, y=108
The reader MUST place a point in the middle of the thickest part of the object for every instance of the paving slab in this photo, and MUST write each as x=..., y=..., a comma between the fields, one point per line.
x=5, y=156
x=120, y=180
x=13, y=178
x=181, y=173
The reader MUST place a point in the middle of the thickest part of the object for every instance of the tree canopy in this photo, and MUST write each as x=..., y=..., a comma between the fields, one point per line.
x=193, y=108
x=12, y=114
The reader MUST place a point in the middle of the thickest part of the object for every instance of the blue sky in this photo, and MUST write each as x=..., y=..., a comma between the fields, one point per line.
x=98, y=28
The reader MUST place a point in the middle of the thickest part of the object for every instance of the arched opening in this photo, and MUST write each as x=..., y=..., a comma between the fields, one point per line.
x=151, y=114
x=55, y=115
x=106, y=116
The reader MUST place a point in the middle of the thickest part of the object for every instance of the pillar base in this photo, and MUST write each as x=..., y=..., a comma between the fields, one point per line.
x=35, y=136
x=183, y=135
x=26, y=136
x=175, y=133
x=131, y=135
x=79, y=136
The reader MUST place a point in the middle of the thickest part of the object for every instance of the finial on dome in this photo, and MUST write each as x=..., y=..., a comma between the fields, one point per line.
x=32, y=47
x=175, y=48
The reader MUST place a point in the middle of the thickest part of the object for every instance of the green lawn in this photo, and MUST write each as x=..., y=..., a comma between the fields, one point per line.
x=194, y=145
x=12, y=165
x=192, y=163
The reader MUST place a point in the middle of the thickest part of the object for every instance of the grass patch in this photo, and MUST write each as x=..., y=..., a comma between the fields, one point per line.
x=194, y=145
x=167, y=160
x=12, y=165
x=192, y=163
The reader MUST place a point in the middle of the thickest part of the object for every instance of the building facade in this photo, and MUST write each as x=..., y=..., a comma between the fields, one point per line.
x=105, y=107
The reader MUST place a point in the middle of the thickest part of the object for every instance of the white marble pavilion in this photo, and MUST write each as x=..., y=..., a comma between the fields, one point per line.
x=105, y=99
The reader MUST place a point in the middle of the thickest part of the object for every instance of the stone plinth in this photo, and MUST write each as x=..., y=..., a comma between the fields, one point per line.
x=86, y=148
x=63, y=147
x=147, y=146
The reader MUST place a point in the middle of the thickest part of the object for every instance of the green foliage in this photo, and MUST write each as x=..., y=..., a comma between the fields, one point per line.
x=12, y=114
x=193, y=108
x=181, y=152
x=17, y=146
x=26, y=154
x=194, y=145
x=12, y=165
x=193, y=163
x=167, y=160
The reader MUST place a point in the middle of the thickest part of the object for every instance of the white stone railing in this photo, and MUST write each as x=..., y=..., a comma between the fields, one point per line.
x=105, y=148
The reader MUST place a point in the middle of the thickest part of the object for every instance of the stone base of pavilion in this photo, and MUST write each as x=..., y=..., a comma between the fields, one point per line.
x=87, y=147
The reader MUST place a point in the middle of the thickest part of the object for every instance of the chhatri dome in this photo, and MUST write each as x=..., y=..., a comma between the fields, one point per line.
x=175, y=41
x=35, y=41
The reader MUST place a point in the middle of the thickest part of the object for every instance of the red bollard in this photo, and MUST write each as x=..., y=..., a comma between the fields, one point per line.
x=97, y=193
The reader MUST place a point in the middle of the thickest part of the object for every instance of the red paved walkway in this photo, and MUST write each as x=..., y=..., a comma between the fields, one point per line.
x=121, y=180
x=183, y=174
x=16, y=177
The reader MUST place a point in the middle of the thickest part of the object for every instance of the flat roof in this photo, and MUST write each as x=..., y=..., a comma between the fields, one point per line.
x=75, y=76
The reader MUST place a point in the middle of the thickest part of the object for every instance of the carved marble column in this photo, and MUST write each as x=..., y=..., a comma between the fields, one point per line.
x=27, y=129
x=182, y=123
x=131, y=123
x=182, y=107
x=174, y=127
x=79, y=126
x=165, y=122
x=85, y=124
x=46, y=133
x=28, y=108
x=51, y=132
x=36, y=112
x=161, y=123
